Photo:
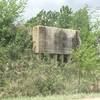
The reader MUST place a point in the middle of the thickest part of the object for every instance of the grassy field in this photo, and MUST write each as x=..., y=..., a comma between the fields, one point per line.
x=59, y=97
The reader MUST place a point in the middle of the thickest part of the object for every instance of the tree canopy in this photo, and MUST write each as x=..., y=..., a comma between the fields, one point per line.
x=10, y=10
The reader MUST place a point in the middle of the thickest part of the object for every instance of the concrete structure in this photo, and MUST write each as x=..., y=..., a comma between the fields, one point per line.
x=54, y=41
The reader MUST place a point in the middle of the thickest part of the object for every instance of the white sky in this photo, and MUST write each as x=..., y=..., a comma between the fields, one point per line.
x=34, y=6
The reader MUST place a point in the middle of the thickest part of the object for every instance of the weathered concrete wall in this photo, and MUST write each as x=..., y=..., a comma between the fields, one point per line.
x=54, y=40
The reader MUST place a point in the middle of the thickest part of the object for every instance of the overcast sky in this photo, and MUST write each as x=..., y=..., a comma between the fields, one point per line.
x=34, y=6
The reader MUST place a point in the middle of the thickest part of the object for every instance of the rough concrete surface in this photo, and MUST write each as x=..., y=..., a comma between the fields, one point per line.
x=54, y=40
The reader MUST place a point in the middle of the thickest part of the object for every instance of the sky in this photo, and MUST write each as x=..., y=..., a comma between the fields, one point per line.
x=34, y=6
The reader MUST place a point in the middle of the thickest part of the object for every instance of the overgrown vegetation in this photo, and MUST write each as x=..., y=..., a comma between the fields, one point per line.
x=22, y=74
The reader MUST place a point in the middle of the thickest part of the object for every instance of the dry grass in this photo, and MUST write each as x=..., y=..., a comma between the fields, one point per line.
x=60, y=97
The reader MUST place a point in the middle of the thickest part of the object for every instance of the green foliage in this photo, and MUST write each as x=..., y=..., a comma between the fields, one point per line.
x=65, y=17
x=22, y=74
x=9, y=12
x=44, y=18
x=87, y=53
x=81, y=22
x=87, y=61
x=52, y=18
x=28, y=76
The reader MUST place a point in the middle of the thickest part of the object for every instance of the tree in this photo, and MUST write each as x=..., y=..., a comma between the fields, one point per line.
x=81, y=22
x=52, y=17
x=62, y=19
x=65, y=17
x=10, y=10
x=48, y=18
x=86, y=58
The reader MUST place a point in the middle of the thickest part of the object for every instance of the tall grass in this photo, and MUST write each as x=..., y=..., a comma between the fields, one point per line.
x=29, y=76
